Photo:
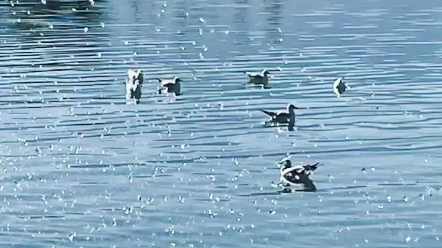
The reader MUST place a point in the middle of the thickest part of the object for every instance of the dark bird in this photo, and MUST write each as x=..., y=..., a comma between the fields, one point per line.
x=259, y=79
x=283, y=118
x=339, y=86
x=170, y=86
x=297, y=175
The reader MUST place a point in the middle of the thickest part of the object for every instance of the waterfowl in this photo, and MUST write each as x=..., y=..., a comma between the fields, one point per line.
x=283, y=118
x=170, y=86
x=134, y=83
x=297, y=175
x=339, y=86
x=259, y=79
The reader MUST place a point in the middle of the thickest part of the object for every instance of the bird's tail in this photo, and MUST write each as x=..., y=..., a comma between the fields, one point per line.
x=267, y=112
x=314, y=166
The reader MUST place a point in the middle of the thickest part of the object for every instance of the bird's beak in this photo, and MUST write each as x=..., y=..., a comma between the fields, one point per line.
x=282, y=163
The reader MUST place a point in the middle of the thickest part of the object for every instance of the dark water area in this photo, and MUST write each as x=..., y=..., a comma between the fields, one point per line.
x=81, y=168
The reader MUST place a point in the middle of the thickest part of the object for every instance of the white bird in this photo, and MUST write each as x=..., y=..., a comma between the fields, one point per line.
x=134, y=83
x=172, y=85
x=339, y=86
x=259, y=79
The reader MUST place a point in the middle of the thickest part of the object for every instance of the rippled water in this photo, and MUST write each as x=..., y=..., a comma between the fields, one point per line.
x=83, y=169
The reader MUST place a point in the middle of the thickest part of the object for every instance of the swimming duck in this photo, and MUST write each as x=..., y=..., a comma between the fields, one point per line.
x=170, y=86
x=283, y=118
x=134, y=83
x=297, y=175
x=339, y=86
x=259, y=79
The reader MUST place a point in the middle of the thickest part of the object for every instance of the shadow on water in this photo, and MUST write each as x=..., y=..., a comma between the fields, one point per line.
x=32, y=17
x=274, y=9
x=60, y=35
x=136, y=10
x=280, y=192
x=241, y=22
x=325, y=190
x=151, y=12
x=179, y=11
x=182, y=23
x=45, y=32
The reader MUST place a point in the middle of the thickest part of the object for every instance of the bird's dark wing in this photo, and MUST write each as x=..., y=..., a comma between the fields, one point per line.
x=269, y=113
x=296, y=176
x=292, y=177
x=256, y=76
x=307, y=182
x=300, y=177
x=282, y=118
x=252, y=76
x=169, y=86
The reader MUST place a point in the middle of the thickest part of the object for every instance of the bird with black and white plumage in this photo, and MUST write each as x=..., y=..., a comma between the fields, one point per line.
x=170, y=85
x=282, y=117
x=296, y=176
x=259, y=79
x=134, y=84
x=339, y=86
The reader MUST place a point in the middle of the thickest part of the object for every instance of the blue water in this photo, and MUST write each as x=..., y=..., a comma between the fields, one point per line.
x=80, y=168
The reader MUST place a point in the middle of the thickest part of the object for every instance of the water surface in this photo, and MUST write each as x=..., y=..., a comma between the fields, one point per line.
x=80, y=168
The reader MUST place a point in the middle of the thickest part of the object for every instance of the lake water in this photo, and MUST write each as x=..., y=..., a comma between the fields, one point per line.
x=80, y=168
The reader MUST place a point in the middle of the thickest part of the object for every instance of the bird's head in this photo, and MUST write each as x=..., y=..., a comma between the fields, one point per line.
x=285, y=163
x=292, y=107
x=177, y=80
x=135, y=79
